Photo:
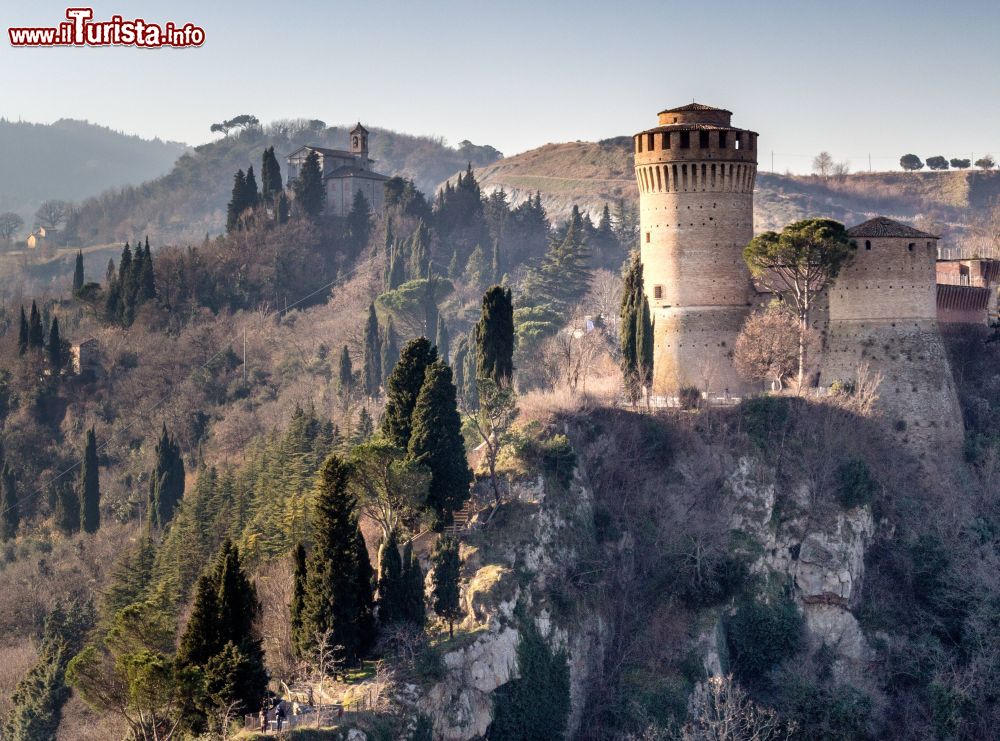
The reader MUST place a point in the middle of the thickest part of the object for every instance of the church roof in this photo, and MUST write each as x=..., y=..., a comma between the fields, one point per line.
x=324, y=151
x=355, y=172
x=359, y=129
x=694, y=107
x=881, y=226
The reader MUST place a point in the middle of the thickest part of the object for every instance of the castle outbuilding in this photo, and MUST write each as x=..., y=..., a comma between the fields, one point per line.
x=345, y=173
x=883, y=315
x=696, y=175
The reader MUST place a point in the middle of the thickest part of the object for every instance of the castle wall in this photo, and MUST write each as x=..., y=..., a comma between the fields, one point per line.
x=693, y=347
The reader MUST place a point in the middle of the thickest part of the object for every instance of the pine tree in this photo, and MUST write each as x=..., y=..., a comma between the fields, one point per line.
x=390, y=350
x=372, y=355
x=297, y=605
x=236, y=206
x=131, y=576
x=414, y=610
x=564, y=274
x=436, y=442
x=365, y=429
x=55, y=348
x=402, y=389
x=345, y=374
x=494, y=336
x=90, y=486
x=308, y=187
x=10, y=511
x=23, y=334
x=447, y=566
x=36, y=333
x=391, y=589
x=166, y=482
x=202, y=637
x=334, y=597
x=442, y=340
x=78, y=273
x=270, y=176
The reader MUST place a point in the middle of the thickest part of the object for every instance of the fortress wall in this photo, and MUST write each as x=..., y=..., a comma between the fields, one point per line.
x=889, y=279
x=694, y=348
x=917, y=397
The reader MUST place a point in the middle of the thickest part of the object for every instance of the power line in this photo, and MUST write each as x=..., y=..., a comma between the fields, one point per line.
x=145, y=415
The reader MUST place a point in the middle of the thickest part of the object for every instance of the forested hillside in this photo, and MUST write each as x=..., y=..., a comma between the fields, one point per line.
x=189, y=202
x=72, y=160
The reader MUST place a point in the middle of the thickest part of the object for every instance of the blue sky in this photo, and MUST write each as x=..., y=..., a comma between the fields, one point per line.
x=883, y=77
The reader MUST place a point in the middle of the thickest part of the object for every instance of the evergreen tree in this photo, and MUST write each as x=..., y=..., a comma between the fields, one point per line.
x=563, y=276
x=297, y=605
x=414, y=610
x=251, y=196
x=626, y=222
x=436, y=442
x=270, y=176
x=166, y=482
x=420, y=251
x=372, y=355
x=442, y=340
x=10, y=511
x=281, y=208
x=90, y=486
x=391, y=588
x=78, y=273
x=494, y=335
x=447, y=566
x=636, y=331
x=202, y=637
x=308, y=187
x=55, y=348
x=333, y=597
x=365, y=594
x=390, y=350
x=365, y=429
x=402, y=389
x=36, y=333
x=236, y=205
x=397, y=269
x=430, y=306
x=23, y=334
x=109, y=273
x=358, y=224
x=132, y=574
x=67, y=514
x=147, y=277
x=345, y=374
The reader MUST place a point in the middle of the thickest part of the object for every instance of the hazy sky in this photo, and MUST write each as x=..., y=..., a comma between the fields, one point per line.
x=883, y=77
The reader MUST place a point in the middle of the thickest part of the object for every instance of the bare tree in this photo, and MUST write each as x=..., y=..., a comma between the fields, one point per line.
x=497, y=411
x=823, y=164
x=51, y=214
x=841, y=170
x=9, y=224
x=720, y=710
x=767, y=347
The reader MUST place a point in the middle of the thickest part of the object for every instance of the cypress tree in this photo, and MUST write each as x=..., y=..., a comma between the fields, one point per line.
x=90, y=486
x=78, y=273
x=644, y=343
x=281, y=208
x=251, y=196
x=166, y=482
x=345, y=374
x=10, y=513
x=420, y=255
x=414, y=610
x=447, y=567
x=36, y=333
x=308, y=187
x=494, y=336
x=442, y=340
x=67, y=515
x=298, y=600
x=23, y=334
x=636, y=331
x=109, y=273
x=333, y=596
x=147, y=276
x=372, y=355
x=365, y=595
x=365, y=429
x=237, y=597
x=390, y=350
x=202, y=637
x=55, y=348
x=235, y=207
x=358, y=224
x=270, y=176
x=391, y=589
x=436, y=442
x=112, y=300
x=402, y=389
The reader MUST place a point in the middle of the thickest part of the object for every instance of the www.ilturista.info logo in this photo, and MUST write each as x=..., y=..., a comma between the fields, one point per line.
x=81, y=30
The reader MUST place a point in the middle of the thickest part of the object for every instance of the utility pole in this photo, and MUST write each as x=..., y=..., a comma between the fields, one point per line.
x=772, y=161
x=869, y=163
x=244, y=356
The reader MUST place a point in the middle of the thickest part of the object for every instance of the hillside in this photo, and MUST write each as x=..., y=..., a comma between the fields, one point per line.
x=190, y=201
x=72, y=160
x=591, y=174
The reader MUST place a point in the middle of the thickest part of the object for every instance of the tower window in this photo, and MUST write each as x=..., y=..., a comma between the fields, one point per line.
x=666, y=140
x=657, y=292
x=910, y=246
x=685, y=140
x=638, y=144
x=722, y=139
x=868, y=245
x=649, y=142
x=739, y=141
x=703, y=139
x=647, y=237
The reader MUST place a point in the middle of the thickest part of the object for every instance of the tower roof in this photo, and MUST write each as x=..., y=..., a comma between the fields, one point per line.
x=359, y=129
x=882, y=226
x=694, y=107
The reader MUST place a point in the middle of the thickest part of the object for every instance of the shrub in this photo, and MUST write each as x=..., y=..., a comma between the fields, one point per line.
x=762, y=416
x=825, y=711
x=760, y=635
x=689, y=398
x=855, y=485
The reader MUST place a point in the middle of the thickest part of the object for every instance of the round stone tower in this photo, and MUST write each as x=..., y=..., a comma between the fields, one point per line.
x=696, y=178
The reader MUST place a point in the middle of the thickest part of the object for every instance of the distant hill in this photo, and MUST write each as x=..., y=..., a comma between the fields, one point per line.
x=591, y=174
x=71, y=160
x=190, y=201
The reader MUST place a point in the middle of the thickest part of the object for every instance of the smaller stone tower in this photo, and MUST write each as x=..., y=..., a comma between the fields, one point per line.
x=883, y=314
x=359, y=140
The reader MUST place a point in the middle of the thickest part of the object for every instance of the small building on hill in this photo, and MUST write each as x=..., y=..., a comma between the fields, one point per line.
x=345, y=173
x=86, y=358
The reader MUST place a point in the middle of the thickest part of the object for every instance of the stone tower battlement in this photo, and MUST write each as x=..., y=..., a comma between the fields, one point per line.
x=696, y=176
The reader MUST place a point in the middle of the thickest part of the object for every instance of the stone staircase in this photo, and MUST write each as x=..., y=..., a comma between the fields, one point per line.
x=461, y=520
